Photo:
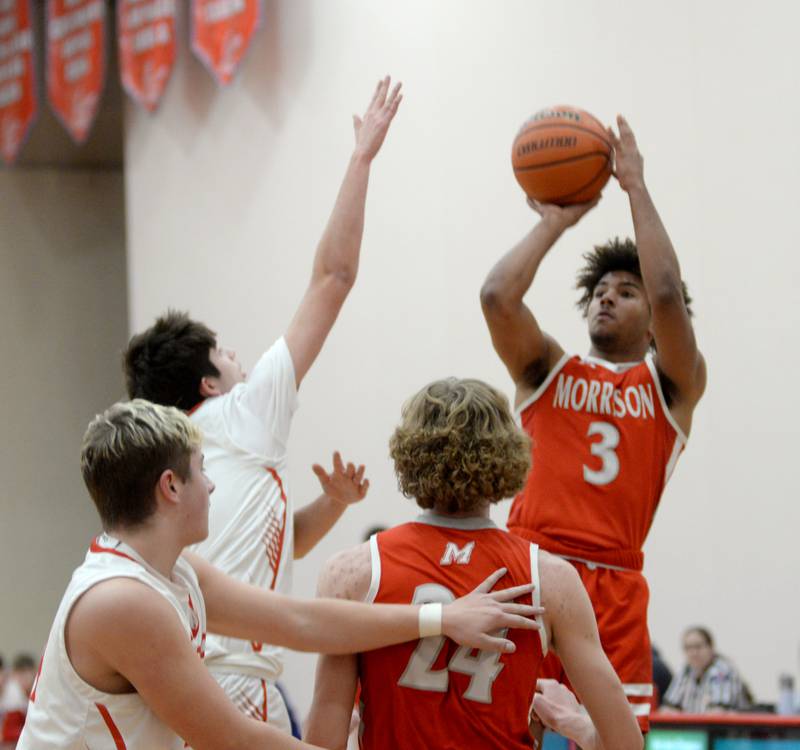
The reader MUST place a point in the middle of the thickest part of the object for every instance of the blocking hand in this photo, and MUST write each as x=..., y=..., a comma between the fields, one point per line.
x=371, y=129
x=345, y=485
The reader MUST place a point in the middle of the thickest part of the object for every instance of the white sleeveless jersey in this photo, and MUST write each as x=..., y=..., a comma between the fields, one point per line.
x=250, y=517
x=67, y=713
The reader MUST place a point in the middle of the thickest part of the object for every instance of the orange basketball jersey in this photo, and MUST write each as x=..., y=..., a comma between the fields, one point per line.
x=432, y=693
x=604, y=446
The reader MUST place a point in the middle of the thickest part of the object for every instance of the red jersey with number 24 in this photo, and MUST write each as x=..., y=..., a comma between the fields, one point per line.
x=431, y=693
x=603, y=447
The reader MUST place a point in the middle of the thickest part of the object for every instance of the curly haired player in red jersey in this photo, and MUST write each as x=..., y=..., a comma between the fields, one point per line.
x=607, y=428
x=457, y=451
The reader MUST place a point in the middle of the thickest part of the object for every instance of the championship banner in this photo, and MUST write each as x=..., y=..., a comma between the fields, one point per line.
x=18, y=103
x=76, y=64
x=221, y=33
x=146, y=33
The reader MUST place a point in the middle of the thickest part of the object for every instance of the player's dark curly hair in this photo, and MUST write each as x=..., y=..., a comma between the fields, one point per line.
x=614, y=255
x=166, y=363
x=458, y=447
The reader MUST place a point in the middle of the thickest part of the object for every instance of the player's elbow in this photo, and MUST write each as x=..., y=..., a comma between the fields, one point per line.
x=494, y=299
x=667, y=293
x=337, y=279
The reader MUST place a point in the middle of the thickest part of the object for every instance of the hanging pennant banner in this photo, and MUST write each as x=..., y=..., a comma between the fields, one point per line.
x=146, y=30
x=76, y=64
x=221, y=33
x=18, y=102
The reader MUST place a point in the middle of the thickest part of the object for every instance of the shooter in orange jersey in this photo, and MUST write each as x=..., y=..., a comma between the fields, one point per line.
x=607, y=428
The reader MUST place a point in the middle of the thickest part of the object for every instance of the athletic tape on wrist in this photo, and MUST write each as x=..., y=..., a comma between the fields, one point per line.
x=430, y=620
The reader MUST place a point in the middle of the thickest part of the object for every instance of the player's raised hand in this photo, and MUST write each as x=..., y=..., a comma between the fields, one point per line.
x=473, y=619
x=371, y=129
x=628, y=161
x=345, y=484
x=562, y=216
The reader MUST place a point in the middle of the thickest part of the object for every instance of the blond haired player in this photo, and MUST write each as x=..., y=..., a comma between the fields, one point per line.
x=255, y=533
x=607, y=428
x=456, y=452
x=123, y=666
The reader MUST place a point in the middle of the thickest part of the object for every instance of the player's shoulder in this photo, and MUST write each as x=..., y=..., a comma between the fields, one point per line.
x=347, y=575
x=558, y=578
x=119, y=603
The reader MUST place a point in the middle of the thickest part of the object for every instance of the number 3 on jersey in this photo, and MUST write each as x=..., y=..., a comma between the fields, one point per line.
x=419, y=673
x=603, y=449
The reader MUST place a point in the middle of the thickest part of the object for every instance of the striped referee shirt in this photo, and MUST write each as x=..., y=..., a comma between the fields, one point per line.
x=719, y=687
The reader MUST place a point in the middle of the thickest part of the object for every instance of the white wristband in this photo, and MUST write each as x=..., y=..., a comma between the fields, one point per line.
x=430, y=620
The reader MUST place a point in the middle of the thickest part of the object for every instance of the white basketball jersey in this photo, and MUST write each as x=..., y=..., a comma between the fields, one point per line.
x=251, y=516
x=67, y=713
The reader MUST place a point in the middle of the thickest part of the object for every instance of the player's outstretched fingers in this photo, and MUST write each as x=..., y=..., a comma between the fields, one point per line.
x=496, y=644
x=322, y=475
x=508, y=595
x=489, y=583
x=526, y=610
x=519, y=622
x=338, y=464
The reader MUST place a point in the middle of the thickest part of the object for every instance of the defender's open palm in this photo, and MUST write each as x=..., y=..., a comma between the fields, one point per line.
x=472, y=619
x=345, y=485
x=371, y=129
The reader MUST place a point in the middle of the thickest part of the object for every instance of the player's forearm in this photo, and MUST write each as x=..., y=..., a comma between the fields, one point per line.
x=513, y=274
x=328, y=721
x=337, y=626
x=661, y=272
x=338, y=249
x=313, y=521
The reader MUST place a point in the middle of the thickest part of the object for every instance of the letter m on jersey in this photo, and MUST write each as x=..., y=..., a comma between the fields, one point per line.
x=458, y=555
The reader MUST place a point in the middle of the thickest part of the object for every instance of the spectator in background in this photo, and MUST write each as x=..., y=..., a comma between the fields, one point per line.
x=709, y=682
x=14, y=697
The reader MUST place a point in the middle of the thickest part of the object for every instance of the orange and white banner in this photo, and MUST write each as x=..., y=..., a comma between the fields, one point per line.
x=221, y=33
x=146, y=33
x=76, y=63
x=18, y=102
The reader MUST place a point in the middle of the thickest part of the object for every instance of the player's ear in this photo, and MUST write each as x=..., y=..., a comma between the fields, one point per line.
x=168, y=485
x=209, y=386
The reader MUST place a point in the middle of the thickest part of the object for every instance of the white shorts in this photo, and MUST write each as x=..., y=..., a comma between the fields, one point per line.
x=256, y=698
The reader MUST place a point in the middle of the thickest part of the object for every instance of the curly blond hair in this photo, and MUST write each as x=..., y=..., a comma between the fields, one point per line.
x=458, y=447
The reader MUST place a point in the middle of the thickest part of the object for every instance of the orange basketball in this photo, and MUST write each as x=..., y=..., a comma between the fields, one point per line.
x=562, y=155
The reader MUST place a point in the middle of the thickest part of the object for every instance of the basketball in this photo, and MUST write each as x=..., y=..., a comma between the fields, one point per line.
x=562, y=155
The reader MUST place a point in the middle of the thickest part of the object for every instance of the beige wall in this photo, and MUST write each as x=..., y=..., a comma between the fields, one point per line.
x=63, y=319
x=228, y=191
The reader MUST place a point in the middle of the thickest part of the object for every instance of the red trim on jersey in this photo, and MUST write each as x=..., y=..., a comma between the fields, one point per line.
x=264, y=709
x=195, y=408
x=277, y=478
x=97, y=549
x=195, y=629
x=36, y=681
x=119, y=743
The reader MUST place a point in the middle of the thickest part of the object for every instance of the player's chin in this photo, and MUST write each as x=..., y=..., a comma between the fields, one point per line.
x=602, y=334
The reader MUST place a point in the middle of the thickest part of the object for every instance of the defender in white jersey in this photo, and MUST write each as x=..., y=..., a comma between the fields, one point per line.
x=123, y=666
x=255, y=533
